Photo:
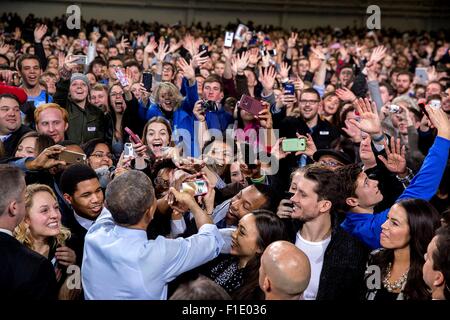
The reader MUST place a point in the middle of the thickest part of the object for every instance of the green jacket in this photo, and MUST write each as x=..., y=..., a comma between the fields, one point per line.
x=84, y=124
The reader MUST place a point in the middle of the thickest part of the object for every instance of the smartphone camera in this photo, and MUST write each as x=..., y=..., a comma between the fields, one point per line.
x=196, y=188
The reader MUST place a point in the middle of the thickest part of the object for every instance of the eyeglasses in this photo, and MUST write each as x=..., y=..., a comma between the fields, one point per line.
x=101, y=155
x=305, y=102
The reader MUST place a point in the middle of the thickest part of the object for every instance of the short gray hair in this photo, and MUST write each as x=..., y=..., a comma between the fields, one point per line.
x=129, y=196
x=11, y=186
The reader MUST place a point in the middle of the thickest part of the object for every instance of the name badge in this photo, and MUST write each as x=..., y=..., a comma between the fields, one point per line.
x=324, y=133
x=91, y=129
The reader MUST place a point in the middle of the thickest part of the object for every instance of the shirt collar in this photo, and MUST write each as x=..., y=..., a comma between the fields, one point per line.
x=6, y=231
x=85, y=223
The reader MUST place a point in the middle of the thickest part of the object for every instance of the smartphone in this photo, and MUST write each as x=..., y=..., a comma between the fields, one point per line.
x=121, y=76
x=422, y=76
x=228, y=42
x=133, y=137
x=289, y=88
x=96, y=29
x=250, y=104
x=128, y=151
x=203, y=47
x=240, y=32
x=198, y=187
x=272, y=52
x=249, y=156
x=147, y=79
x=71, y=157
x=293, y=145
x=435, y=104
x=287, y=196
x=80, y=59
x=394, y=108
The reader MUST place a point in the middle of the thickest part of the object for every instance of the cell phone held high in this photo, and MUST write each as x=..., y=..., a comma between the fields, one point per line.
x=121, y=77
x=133, y=137
x=289, y=88
x=80, y=59
x=228, y=42
x=421, y=75
x=147, y=79
x=196, y=188
x=293, y=145
x=202, y=48
x=72, y=157
x=250, y=104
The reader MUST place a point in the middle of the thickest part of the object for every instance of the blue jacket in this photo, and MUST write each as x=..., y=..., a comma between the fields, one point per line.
x=367, y=227
x=183, y=119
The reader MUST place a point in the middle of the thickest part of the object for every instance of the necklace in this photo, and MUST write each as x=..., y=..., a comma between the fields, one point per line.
x=396, y=285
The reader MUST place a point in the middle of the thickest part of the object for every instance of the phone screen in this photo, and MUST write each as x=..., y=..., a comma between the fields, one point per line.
x=147, y=80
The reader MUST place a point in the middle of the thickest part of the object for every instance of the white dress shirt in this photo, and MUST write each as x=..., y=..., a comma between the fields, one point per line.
x=85, y=223
x=121, y=263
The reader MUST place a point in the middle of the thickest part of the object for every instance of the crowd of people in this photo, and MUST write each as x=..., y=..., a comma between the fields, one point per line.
x=186, y=162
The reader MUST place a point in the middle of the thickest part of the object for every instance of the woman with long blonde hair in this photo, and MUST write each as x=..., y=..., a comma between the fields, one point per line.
x=41, y=230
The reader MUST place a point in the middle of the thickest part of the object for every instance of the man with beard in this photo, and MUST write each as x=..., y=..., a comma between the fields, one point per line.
x=403, y=83
x=86, y=121
x=11, y=128
x=337, y=259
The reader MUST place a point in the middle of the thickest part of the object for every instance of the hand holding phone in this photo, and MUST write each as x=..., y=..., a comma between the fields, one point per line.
x=197, y=188
x=228, y=42
x=293, y=145
x=72, y=157
x=250, y=105
x=121, y=77
x=80, y=59
x=147, y=79
x=128, y=151
x=133, y=137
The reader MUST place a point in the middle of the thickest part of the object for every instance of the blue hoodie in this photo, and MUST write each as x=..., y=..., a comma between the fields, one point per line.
x=367, y=226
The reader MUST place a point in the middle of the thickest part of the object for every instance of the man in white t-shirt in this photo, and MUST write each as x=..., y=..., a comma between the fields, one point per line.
x=337, y=259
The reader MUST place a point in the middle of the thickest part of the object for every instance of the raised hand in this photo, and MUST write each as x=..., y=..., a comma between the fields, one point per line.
x=432, y=74
x=377, y=55
x=150, y=47
x=267, y=78
x=369, y=120
x=254, y=56
x=345, y=94
x=396, y=159
x=242, y=61
x=188, y=70
x=284, y=70
x=292, y=40
x=39, y=33
x=310, y=145
x=162, y=50
x=440, y=121
x=197, y=60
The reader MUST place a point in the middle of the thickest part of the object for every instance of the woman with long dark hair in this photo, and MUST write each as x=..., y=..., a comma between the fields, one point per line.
x=405, y=235
x=238, y=272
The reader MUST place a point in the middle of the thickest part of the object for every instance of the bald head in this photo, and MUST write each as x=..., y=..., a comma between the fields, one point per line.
x=285, y=271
